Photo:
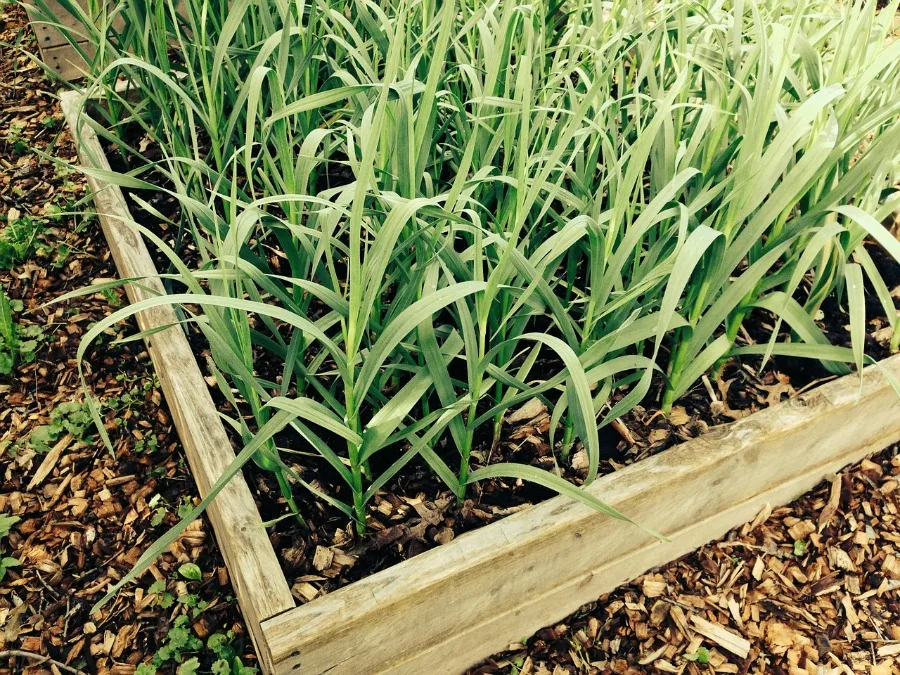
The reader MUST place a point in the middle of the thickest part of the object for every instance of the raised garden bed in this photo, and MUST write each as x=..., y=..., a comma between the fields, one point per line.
x=451, y=606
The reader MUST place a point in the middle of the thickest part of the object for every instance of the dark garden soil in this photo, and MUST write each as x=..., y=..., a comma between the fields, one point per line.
x=85, y=514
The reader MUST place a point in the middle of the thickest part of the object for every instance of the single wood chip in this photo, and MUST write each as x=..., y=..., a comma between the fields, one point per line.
x=652, y=656
x=653, y=588
x=529, y=410
x=758, y=567
x=761, y=517
x=50, y=460
x=622, y=430
x=342, y=558
x=680, y=620
x=735, y=611
x=839, y=558
x=323, y=558
x=659, y=612
x=304, y=591
x=801, y=530
x=834, y=499
x=889, y=649
x=850, y=611
x=678, y=416
x=723, y=637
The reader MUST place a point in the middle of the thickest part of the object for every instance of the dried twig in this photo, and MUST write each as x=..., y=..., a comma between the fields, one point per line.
x=39, y=659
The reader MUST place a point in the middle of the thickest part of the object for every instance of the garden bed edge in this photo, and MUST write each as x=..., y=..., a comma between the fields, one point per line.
x=260, y=586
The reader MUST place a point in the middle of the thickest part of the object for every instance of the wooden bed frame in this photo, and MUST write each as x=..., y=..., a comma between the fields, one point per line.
x=452, y=606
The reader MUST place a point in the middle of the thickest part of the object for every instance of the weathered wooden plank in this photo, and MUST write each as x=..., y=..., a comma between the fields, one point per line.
x=259, y=583
x=66, y=60
x=448, y=608
x=47, y=32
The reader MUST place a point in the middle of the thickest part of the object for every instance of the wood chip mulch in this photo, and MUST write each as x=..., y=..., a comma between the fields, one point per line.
x=812, y=588
x=79, y=515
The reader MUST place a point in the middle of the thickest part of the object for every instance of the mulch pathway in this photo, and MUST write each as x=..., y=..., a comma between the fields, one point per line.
x=84, y=514
x=809, y=588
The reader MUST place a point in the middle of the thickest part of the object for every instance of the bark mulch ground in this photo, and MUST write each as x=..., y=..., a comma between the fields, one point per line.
x=74, y=516
x=809, y=588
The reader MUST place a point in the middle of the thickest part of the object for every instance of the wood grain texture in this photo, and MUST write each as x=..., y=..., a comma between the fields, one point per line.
x=258, y=581
x=450, y=607
x=66, y=61
x=47, y=32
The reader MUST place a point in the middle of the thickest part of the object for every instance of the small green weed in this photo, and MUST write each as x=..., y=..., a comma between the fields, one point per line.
x=9, y=336
x=66, y=418
x=51, y=122
x=18, y=344
x=18, y=238
x=6, y=562
x=112, y=297
x=182, y=645
x=180, y=639
x=62, y=170
x=137, y=388
x=191, y=572
x=148, y=443
x=699, y=656
x=25, y=236
x=34, y=337
x=161, y=509
x=15, y=138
